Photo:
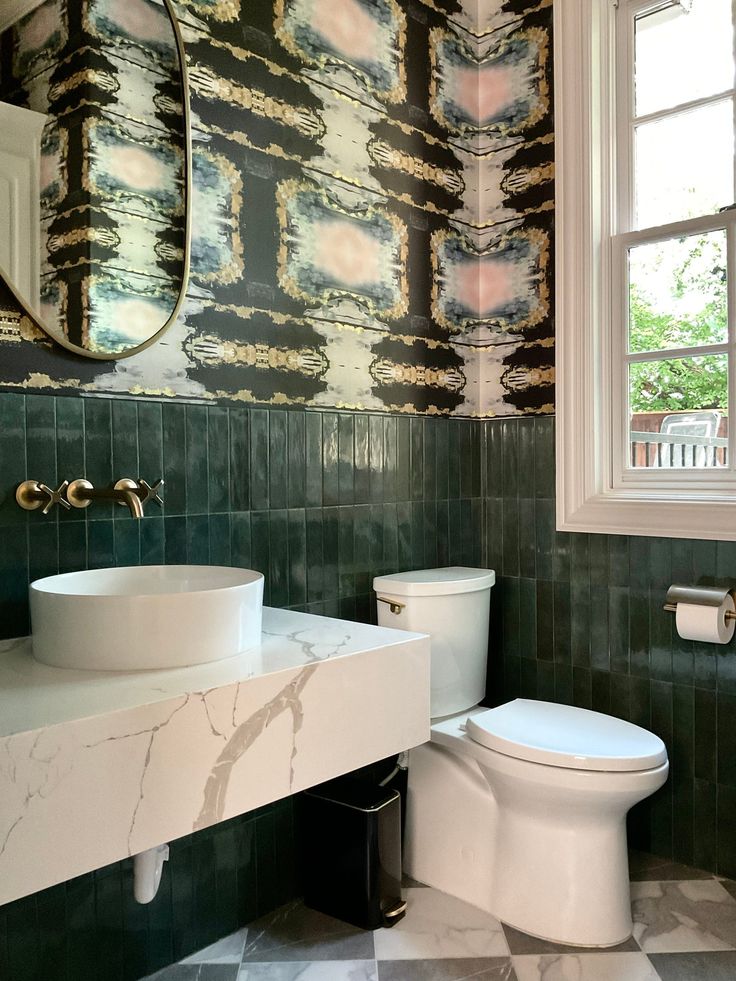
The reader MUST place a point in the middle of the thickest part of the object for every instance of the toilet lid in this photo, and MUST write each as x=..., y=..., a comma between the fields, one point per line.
x=560, y=735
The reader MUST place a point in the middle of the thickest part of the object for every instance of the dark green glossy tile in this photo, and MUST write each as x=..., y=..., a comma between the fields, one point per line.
x=80, y=927
x=510, y=431
x=403, y=462
x=390, y=458
x=259, y=459
x=109, y=935
x=41, y=439
x=23, y=953
x=510, y=536
x=261, y=550
x=313, y=462
x=266, y=858
x=362, y=460
x=545, y=620
x=494, y=459
x=545, y=681
x=127, y=542
x=726, y=739
x=418, y=560
x=391, y=537
x=297, y=441
x=494, y=534
x=429, y=465
x=330, y=469
x=218, y=454
x=443, y=534
x=182, y=902
x=204, y=870
x=197, y=467
x=239, y=449
x=544, y=457
x=100, y=544
x=13, y=458
x=705, y=825
x=240, y=553
x=278, y=458
x=564, y=687
x=150, y=442
x=416, y=449
x=620, y=693
x=174, y=436
x=153, y=541
x=639, y=633
x=375, y=455
x=297, y=531
x=544, y=531
x=526, y=442
x=51, y=919
x=706, y=746
x=315, y=555
x=403, y=518
x=98, y=450
x=527, y=538
x=562, y=630
x=362, y=548
x=527, y=618
x=198, y=539
x=43, y=549
x=72, y=546
x=70, y=443
x=226, y=876
x=220, y=550
x=175, y=540
x=442, y=457
x=160, y=925
x=726, y=838
x=346, y=458
x=345, y=551
x=278, y=568
x=618, y=627
x=466, y=459
x=125, y=445
x=582, y=687
x=330, y=554
x=510, y=618
x=247, y=882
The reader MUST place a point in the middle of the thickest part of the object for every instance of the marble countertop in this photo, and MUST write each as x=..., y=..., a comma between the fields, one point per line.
x=96, y=766
x=35, y=696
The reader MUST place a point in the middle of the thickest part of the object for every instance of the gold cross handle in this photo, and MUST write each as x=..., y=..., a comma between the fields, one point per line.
x=148, y=493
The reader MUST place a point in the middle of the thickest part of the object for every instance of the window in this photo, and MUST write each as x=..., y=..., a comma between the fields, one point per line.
x=646, y=229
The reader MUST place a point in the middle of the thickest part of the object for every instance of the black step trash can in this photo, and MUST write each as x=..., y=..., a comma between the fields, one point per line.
x=352, y=844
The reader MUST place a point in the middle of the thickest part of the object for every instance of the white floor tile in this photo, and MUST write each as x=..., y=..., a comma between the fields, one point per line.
x=584, y=967
x=310, y=971
x=437, y=925
x=229, y=950
x=672, y=917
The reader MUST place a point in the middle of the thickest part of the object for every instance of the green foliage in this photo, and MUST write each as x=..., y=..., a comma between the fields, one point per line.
x=695, y=313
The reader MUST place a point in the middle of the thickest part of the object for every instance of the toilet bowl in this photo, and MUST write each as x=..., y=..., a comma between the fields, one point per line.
x=521, y=809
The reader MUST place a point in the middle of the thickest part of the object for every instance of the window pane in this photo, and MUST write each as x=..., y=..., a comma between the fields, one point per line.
x=679, y=412
x=682, y=56
x=684, y=165
x=678, y=293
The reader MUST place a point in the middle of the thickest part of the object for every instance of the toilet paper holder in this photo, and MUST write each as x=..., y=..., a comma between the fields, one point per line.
x=699, y=596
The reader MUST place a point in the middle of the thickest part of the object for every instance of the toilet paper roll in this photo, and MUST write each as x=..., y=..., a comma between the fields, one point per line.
x=708, y=623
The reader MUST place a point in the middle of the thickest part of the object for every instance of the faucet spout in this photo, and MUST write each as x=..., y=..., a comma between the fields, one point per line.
x=126, y=492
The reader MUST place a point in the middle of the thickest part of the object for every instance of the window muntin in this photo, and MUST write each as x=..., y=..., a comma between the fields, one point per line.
x=675, y=252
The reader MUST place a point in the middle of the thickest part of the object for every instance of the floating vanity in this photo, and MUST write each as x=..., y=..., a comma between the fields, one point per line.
x=96, y=765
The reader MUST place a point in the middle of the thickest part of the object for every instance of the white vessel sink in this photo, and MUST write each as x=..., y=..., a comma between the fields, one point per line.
x=137, y=617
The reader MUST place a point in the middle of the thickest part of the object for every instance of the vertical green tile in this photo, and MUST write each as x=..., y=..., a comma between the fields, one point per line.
x=72, y=546
x=160, y=925
x=403, y=517
x=313, y=462
x=247, y=878
x=125, y=444
x=726, y=861
x=618, y=627
x=98, y=449
x=705, y=845
x=205, y=889
x=69, y=447
x=403, y=452
x=330, y=474
x=297, y=557
x=544, y=531
x=390, y=538
x=362, y=549
x=268, y=889
x=100, y=544
x=259, y=462
x=261, y=550
x=580, y=599
x=362, y=459
x=278, y=458
x=175, y=540
x=239, y=432
x=639, y=633
x=510, y=536
x=43, y=549
x=152, y=541
x=220, y=551
x=315, y=555
x=582, y=687
x=198, y=539
x=240, y=554
x=80, y=933
x=376, y=457
x=494, y=459
x=13, y=457
x=174, y=437
x=442, y=457
x=416, y=450
x=23, y=954
x=510, y=617
x=346, y=552
x=297, y=442
x=109, y=936
x=218, y=465
x=51, y=914
x=197, y=465
x=443, y=533
x=390, y=458
x=527, y=543
x=150, y=443
x=278, y=568
x=226, y=878
x=346, y=458
x=705, y=754
x=430, y=536
x=562, y=629
x=429, y=466
x=510, y=431
x=41, y=438
x=182, y=903
x=126, y=542
x=330, y=553
x=545, y=620
x=544, y=456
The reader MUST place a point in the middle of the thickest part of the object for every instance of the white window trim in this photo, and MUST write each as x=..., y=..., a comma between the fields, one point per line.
x=589, y=498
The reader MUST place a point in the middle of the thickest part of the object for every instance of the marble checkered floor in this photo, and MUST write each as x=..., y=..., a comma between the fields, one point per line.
x=684, y=930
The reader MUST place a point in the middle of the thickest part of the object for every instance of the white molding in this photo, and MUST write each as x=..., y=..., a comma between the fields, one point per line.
x=13, y=10
x=585, y=116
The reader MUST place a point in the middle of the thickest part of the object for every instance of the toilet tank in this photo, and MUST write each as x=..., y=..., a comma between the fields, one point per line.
x=451, y=605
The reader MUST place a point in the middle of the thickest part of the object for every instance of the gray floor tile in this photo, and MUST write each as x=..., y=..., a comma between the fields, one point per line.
x=229, y=950
x=196, y=972
x=295, y=933
x=448, y=969
x=626, y=966
x=310, y=971
x=523, y=943
x=644, y=867
x=676, y=917
x=711, y=966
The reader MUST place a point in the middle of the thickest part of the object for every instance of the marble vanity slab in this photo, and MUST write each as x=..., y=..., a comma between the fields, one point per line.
x=96, y=766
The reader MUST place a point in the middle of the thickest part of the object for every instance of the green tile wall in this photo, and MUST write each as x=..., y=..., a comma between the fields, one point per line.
x=578, y=619
x=319, y=502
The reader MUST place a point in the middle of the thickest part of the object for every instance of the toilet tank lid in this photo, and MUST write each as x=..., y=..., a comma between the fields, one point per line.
x=435, y=582
x=561, y=735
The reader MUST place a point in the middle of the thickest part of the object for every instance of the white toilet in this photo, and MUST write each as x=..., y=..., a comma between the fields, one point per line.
x=520, y=810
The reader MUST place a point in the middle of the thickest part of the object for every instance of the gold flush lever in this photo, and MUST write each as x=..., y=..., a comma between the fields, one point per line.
x=392, y=604
x=32, y=495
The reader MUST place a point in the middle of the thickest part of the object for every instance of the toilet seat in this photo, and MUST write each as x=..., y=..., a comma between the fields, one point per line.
x=566, y=737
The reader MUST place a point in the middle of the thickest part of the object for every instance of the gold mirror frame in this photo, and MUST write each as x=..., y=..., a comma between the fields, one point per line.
x=186, y=119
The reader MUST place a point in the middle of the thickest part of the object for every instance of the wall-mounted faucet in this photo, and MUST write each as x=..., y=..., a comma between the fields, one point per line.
x=133, y=494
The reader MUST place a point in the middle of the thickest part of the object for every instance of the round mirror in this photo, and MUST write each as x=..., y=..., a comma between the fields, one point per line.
x=95, y=169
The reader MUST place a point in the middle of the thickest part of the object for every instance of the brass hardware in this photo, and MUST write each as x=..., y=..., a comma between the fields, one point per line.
x=133, y=494
x=32, y=495
x=392, y=604
x=394, y=912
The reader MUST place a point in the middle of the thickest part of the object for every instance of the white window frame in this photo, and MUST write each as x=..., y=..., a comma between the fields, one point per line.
x=595, y=491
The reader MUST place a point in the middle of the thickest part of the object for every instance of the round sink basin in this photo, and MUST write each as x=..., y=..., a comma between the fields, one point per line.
x=151, y=616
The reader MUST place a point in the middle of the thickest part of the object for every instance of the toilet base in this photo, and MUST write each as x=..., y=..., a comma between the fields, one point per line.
x=541, y=848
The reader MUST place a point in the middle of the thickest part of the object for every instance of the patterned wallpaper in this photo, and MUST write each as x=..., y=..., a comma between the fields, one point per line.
x=372, y=212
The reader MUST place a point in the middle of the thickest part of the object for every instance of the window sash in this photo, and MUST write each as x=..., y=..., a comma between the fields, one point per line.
x=623, y=473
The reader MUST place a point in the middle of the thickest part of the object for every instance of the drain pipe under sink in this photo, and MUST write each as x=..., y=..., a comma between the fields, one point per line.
x=147, y=869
